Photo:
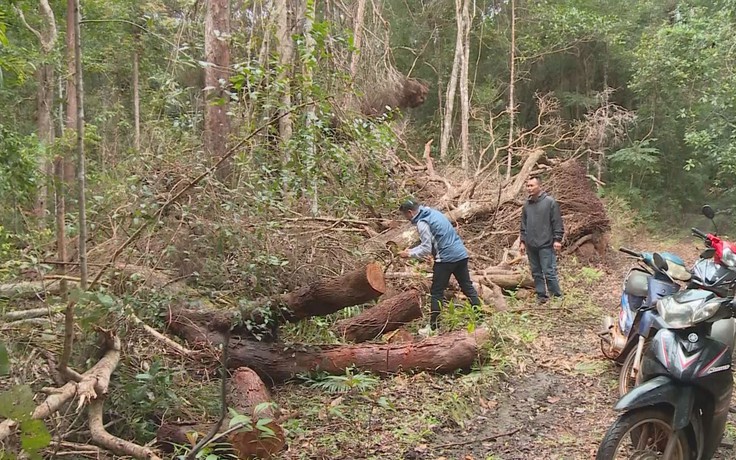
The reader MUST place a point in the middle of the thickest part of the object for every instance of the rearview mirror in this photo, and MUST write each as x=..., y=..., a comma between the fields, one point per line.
x=659, y=262
x=708, y=212
x=708, y=253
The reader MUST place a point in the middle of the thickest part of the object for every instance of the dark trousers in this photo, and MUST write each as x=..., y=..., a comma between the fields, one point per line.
x=543, y=262
x=441, y=277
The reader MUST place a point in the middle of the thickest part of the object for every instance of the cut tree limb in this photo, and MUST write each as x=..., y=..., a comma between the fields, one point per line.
x=388, y=315
x=442, y=354
x=248, y=396
x=94, y=381
x=320, y=298
x=102, y=438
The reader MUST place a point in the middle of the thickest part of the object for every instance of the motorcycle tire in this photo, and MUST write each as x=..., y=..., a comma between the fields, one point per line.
x=625, y=382
x=630, y=426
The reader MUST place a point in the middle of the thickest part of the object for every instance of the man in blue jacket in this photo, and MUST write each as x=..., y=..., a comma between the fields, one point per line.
x=440, y=240
x=541, y=238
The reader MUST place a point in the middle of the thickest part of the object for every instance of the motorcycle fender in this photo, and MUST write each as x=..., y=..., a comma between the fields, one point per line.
x=661, y=390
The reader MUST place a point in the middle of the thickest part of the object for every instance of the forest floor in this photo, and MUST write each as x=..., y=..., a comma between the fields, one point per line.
x=546, y=392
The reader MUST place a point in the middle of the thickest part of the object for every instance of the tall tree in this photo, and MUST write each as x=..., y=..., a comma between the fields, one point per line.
x=217, y=55
x=446, y=133
x=47, y=36
x=464, y=89
x=286, y=62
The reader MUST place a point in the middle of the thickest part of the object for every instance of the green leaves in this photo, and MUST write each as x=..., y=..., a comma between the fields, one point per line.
x=17, y=404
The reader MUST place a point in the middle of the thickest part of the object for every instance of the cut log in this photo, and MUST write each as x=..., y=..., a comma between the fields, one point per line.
x=248, y=396
x=387, y=316
x=442, y=354
x=511, y=280
x=259, y=318
x=328, y=296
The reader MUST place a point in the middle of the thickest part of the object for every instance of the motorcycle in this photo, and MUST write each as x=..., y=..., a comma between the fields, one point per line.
x=623, y=340
x=679, y=410
x=707, y=273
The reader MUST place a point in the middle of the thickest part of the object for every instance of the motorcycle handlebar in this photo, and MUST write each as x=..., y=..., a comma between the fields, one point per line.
x=699, y=233
x=630, y=252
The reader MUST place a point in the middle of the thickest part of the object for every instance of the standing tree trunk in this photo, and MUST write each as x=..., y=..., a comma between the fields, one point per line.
x=357, y=38
x=71, y=87
x=512, y=88
x=45, y=100
x=217, y=55
x=464, y=97
x=286, y=60
x=452, y=85
x=82, y=179
x=136, y=91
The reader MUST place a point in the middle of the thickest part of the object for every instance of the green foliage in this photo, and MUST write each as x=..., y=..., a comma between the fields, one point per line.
x=351, y=381
x=18, y=157
x=4, y=361
x=18, y=404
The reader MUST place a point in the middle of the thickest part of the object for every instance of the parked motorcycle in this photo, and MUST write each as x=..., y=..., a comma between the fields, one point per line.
x=679, y=410
x=707, y=273
x=623, y=340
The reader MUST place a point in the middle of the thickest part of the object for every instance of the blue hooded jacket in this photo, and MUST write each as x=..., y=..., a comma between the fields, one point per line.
x=446, y=243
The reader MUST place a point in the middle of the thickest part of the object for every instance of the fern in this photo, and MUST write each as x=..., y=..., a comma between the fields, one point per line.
x=344, y=383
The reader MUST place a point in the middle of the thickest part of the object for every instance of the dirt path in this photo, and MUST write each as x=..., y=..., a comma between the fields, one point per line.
x=562, y=402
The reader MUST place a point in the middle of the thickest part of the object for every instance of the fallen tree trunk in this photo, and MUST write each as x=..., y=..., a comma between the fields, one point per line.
x=248, y=396
x=259, y=319
x=387, y=316
x=405, y=235
x=442, y=354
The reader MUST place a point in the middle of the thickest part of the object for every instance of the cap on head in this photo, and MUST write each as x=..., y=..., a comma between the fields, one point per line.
x=408, y=205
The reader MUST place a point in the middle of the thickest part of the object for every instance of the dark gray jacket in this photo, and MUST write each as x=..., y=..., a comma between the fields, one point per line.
x=541, y=222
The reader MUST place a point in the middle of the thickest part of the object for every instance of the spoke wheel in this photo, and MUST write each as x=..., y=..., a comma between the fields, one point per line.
x=642, y=434
x=625, y=381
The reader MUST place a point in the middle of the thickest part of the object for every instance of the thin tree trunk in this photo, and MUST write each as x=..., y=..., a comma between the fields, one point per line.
x=45, y=99
x=82, y=181
x=71, y=87
x=452, y=85
x=136, y=94
x=286, y=60
x=357, y=38
x=512, y=88
x=217, y=55
x=464, y=90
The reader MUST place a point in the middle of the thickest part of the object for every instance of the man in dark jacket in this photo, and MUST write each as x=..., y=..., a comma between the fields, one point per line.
x=541, y=237
x=440, y=240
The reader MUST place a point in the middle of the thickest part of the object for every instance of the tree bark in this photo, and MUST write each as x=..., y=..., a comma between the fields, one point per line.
x=71, y=85
x=389, y=315
x=442, y=354
x=464, y=90
x=357, y=38
x=136, y=92
x=286, y=61
x=247, y=393
x=317, y=299
x=217, y=55
x=47, y=37
x=446, y=133
x=512, y=89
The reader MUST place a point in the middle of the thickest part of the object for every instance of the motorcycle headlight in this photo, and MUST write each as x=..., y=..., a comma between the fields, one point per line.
x=681, y=315
x=728, y=257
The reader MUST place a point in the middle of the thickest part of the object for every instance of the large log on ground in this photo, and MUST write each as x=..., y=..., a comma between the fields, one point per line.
x=276, y=363
x=388, y=315
x=248, y=396
x=328, y=296
x=259, y=318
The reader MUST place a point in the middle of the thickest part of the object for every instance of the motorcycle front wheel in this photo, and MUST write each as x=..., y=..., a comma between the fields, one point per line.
x=625, y=381
x=642, y=434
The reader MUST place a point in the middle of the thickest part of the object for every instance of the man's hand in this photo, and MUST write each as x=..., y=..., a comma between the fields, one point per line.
x=558, y=246
x=404, y=254
x=522, y=248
